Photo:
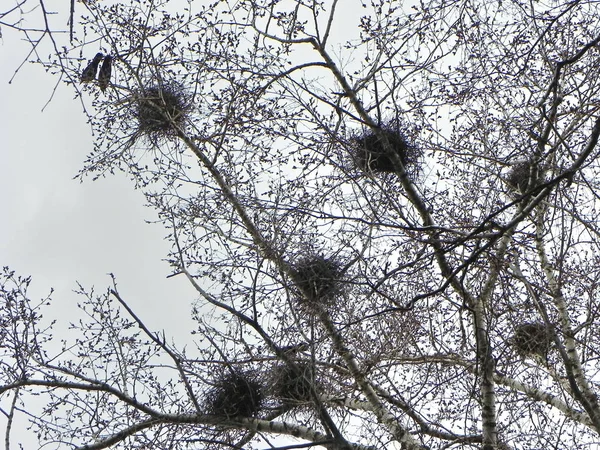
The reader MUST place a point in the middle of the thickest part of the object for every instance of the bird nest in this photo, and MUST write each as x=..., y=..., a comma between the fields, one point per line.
x=523, y=176
x=235, y=395
x=161, y=110
x=379, y=150
x=317, y=279
x=292, y=384
x=532, y=338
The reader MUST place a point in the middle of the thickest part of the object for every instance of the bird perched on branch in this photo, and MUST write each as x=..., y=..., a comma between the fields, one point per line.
x=89, y=73
x=104, y=74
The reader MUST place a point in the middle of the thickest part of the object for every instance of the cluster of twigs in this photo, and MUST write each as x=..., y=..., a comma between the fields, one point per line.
x=381, y=150
x=318, y=280
x=161, y=111
x=532, y=338
x=235, y=394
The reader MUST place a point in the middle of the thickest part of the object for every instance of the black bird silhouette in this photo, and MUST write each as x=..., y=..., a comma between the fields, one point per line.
x=104, y=74
x=89, y=73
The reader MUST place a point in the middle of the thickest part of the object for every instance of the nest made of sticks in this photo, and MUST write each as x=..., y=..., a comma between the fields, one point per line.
x=161, y=109
x=532, y=338
x=292, y=384
x=235, y=394
x=375, y=151
x=524, y=176
x=318, y=279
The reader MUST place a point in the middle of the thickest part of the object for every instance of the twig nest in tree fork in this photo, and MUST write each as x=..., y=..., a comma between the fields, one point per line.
x=291, y=384
x=532, y=338
x=317, y=279
x=524, y=176
x=235, y=394
x=161, y=109
x=377, y=150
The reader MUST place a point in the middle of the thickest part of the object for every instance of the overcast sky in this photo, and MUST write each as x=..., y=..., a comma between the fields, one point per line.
x=61, y=231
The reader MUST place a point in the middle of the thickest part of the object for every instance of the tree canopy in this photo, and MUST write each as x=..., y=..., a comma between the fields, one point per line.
x=387, y=212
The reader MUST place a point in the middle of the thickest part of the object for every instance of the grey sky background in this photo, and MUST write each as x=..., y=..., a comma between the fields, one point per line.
x=61, y=231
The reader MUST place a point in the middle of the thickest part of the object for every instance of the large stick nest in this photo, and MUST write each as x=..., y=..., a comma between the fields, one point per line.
x=235, y=395
x=378, y=151
x=292, y=384
x=532, y=338
x=524, y=176
x=160, y=110
x=318, y=279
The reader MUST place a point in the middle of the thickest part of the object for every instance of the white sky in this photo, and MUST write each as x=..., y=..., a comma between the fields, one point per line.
x=60, y=230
